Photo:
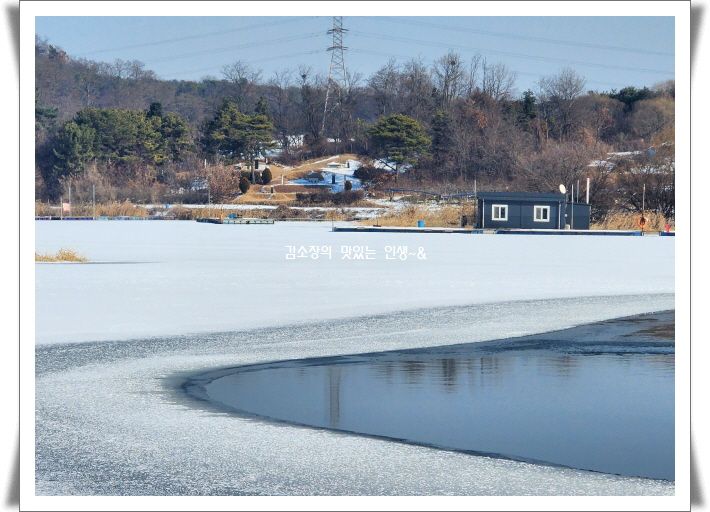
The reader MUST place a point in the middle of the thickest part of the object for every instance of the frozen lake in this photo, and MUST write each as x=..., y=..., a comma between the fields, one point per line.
x=597, y=397
x=172, y=299
x=178, y=277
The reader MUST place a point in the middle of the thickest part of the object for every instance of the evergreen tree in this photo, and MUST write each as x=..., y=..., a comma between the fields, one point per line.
x=244, y=185
x=441, y=137
x=397, y=140
x=262, y=107
x=71, y=150
x=155, y=109
x=233, y=134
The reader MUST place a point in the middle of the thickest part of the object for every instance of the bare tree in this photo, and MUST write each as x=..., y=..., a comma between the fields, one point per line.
x=649, y=117
x=657, y=175
x=449, y=74
x=559, y=94
x=474, y=74
x=279, y=86
x=312, y=103
x=384, y=84
x=416, y=90
x=497, y=81
x=557, y=164
x=243, y=78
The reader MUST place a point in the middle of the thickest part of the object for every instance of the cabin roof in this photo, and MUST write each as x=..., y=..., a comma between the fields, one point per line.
x=521, y=196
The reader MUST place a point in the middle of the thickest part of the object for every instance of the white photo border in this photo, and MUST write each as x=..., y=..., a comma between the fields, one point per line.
x=678, y=9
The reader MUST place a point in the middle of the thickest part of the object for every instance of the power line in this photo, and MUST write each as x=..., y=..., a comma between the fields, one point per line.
x=218, y=67
x=507, y=35
x=506, y=53
x=199, y=36
x=527, y=73
x=238, y=46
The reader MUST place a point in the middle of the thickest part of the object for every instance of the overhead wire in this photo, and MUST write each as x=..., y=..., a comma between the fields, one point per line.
x=506, y=53
x=252, y=44
x=275, y=57
x=527, y=73
x=511, y=35
x=198, y=36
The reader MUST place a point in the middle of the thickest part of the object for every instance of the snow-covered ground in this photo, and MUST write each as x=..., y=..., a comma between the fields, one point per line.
x=341, y=173
x=179, y=277
x=111, y=418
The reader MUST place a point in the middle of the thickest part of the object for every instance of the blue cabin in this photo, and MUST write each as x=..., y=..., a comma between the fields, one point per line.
x=529, y=210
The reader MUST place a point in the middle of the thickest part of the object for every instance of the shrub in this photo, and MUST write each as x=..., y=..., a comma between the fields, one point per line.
x=325, y=197
x=320, y=197
x=366, y=173
x=348, y=197
x=62, y=255
x=244, y=185
x=348, y=185
x=374, y=176
x=247, y=175
x=266, y=176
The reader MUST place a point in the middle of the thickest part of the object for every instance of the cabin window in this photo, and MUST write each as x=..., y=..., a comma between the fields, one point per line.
x=542, y=214
x=500, y=212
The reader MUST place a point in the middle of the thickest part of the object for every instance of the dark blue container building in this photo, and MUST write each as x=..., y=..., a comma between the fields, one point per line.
x=529, y=210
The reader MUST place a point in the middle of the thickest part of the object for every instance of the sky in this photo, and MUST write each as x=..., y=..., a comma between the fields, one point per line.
x=610, y=52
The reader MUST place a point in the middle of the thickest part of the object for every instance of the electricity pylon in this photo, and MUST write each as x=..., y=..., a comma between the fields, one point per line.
x=337, y=74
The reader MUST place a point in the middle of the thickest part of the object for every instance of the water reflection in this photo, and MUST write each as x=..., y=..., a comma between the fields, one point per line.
x=334, y=395
x=609, y=410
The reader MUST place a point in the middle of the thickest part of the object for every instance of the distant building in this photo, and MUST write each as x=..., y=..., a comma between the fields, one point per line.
x=314, y=177
x=529, y=210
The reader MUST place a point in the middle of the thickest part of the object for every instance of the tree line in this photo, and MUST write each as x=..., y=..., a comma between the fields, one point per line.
x=449, y=124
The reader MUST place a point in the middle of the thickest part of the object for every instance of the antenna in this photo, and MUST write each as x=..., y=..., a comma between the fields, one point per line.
x=337, y=74
x=563, y=189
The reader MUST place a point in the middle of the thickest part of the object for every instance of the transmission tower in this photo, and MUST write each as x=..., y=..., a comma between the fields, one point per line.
x=337, y=75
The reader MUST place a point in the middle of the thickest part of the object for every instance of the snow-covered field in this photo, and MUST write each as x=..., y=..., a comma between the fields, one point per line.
x=178, y=277
x=111, y=418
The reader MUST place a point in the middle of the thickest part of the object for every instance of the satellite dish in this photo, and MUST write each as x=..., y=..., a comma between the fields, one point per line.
x=563, y=189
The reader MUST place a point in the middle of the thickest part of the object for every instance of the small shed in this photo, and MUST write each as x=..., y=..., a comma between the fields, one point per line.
x=529, y=210
x=314, y=177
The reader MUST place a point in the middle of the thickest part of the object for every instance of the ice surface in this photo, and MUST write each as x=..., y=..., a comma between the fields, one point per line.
x=178, y=277
x=111, y=417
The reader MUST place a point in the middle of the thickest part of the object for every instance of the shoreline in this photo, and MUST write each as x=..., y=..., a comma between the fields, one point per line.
x=649, y=333
x=96, y=398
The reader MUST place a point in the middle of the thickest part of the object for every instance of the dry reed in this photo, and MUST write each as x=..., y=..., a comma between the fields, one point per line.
x=62, y=255
x=630, y=221
x=444, y=216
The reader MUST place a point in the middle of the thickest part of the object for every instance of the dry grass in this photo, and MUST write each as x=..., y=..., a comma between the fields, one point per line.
x=112, y=209
x=183, y=213
x=118, y=209
x=444, y=216
x=630, y=221
x=62, y=255
x=256, y=197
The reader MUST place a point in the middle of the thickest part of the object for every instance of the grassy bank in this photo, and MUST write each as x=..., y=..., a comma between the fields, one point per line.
x=110, y=209
x=630, y=221
x=432, y=215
